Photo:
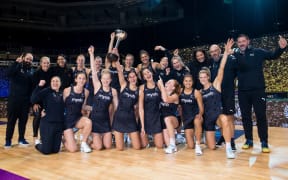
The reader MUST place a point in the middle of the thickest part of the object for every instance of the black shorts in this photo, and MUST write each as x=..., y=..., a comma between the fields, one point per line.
x=209, y=122
x=228, y=102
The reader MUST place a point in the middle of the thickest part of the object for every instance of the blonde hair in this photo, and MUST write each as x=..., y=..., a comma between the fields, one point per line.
x=180, y=61
x=105, y=71
x=44, y=58
x=206, y=71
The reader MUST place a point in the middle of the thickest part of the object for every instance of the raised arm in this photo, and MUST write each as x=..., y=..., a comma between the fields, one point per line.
x=121, y=77
x=269, y=55
x=167, y=99
x=96, y=81
x=110, y=48
x=15, y=66
x=218, y=80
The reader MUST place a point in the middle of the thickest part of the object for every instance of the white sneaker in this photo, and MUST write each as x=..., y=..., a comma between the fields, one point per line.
x=198, y=150
x=85, y=148
x=230, y=154
x=37, y=141
x=171, y=149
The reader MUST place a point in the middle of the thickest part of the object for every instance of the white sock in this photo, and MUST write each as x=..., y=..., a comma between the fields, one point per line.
x=197, y=143
x=172, y=141
x=228, y=145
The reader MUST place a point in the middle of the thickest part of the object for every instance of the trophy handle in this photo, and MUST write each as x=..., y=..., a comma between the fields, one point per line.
x=117, y=43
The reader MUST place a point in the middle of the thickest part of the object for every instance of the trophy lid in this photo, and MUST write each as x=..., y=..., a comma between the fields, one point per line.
x=120, y=34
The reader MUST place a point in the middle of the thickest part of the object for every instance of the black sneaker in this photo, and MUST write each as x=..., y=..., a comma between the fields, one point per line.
x=248, y=144
x=220, y=141
x=233, y=146
x=23, y=143
x=8, y=144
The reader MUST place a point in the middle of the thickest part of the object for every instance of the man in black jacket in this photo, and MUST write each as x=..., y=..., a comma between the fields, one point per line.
x=20, y=77
x=251, y=87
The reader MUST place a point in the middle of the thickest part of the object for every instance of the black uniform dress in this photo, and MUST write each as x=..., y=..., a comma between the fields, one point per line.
x=115, y=80
x=73, y=107
x=167, y=109
x=189, y=109
x=51, y=127
x=100, y=111
x=152, y=99
x=20, y=89
x=212, y=107
x=124, y=117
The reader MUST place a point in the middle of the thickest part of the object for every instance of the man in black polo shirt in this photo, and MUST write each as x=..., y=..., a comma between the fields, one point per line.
x=227, y=92
x=251, y=87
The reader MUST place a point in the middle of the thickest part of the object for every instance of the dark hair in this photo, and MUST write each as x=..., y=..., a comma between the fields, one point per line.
x=177, y=86
x=143, y=52
x=81, y=72
x=112, y=57
x=199, y=50
x=188, y=75
x=243, y=35
x=62, y=55
x=142, y=76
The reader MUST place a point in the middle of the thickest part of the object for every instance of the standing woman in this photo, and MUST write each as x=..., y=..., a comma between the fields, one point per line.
x=43, y=73
x=75, y=98
x=125, y=115
x=63, y=71
x=52, y=123
x=149, y=111
x=211, y=93
x=104, y=95
x=80, y=66
x=170, y=97
x=192, y=113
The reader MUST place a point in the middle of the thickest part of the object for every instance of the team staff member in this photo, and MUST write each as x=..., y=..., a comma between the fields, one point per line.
x=20, y=77
x=251, y=87
x=227, y=86
x=43, y=73
x=52, y=123
x=63, y=71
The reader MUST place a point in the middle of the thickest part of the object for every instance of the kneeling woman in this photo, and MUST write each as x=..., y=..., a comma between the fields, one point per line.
x=124, y=117
x=103, y=98
x=75, y=98
x=149, y=111
x=51, y=126
x=170, y=97
x=211, y=93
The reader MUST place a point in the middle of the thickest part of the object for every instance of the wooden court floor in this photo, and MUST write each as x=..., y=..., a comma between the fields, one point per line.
x=150, y=163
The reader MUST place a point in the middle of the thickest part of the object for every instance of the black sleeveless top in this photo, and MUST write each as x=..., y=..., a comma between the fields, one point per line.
x=74, y=103
x=212, y=102
x=127, y=99
x=102, y=100
x=189, y=105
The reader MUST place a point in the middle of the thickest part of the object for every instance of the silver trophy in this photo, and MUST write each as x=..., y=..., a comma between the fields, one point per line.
x=120, y=36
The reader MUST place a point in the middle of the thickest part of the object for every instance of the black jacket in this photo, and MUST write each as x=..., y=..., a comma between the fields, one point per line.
x=250, y=67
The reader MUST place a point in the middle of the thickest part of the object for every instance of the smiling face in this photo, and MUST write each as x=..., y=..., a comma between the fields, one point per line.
x=200, y=56
x=98, y=62
x=243, y=43
x=215, y=52
x=28, y=58
x=105, y=78
x=61, y=61
x=204, y=78
x=45, y=63
x=147, y=75
x=132, y=77
x=80, y=79
x=55, y=83
x=164, y=62
x=80, y=60
x=144, y=58
x=188, y=82
x=176, y=64
x=129, y=59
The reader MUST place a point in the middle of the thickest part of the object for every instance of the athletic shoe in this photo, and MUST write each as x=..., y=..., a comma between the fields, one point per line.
x=8, y=144
x=233, y=145
x=265, y=148
x=171, y=149
x=198, y=150
x=230, y=154
x=37, y=141
x=248, y=144
x=180, y=139
x=220, y=141
x=23, y=143
x=85, y=148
